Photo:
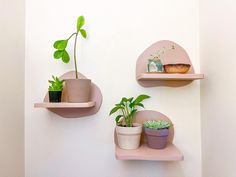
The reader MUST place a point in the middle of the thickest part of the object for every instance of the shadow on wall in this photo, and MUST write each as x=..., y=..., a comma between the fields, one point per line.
x=163, y=168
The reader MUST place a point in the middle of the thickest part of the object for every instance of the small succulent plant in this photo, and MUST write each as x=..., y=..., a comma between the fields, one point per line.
x=157, y=124
x=56, y=84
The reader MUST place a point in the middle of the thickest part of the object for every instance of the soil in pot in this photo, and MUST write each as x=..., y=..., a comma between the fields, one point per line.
x=129, y=137
x=78, y=90
x=156, y=139
x=55, y=96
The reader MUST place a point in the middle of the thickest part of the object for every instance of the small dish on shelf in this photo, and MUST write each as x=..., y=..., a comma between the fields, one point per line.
x=180, y=68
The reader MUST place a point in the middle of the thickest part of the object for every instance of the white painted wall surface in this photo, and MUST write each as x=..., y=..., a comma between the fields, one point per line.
x=118, y=32
x=218, y=90
x=12, y=88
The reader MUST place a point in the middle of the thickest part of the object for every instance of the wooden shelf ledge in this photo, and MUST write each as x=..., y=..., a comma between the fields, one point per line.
x=170, y=153
x=169, y=77
x=65, y=105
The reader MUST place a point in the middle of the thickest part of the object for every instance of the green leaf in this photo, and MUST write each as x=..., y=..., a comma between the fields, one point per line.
x=118, y=118
x=83, y=33
x=131, y=105
x=123, y=100
x=115, y=109
x=65, y=57
x=80, y=22
x=130, y=99
x=58, y=54
x=121, y=103
x=50, y=88
x=140, y=98
x=140, y=104
x=51, y=82
x=56, y=43
x=62, y=45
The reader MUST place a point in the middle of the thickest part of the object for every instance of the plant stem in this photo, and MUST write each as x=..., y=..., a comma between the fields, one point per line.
x=128, y=121
x=75, y=61
x=123, y=113
x=71, y=36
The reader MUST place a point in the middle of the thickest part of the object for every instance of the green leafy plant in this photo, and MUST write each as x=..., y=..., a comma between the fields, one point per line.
x=56, y=84
x=157, y=124
x=127, y=107
x=60, y=45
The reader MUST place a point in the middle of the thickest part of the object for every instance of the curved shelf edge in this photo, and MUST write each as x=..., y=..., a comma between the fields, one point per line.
x=65, y=105
x=170, y=153
x=169, y=77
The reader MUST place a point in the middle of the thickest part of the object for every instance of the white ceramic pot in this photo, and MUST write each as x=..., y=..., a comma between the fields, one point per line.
x=129, y=137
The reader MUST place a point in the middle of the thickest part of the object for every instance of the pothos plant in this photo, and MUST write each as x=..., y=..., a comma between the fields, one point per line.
x=127, y=107
x=60, y=45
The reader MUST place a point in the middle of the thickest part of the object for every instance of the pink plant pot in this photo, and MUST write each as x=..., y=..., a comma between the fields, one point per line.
x=156, y=139
x=78, y=90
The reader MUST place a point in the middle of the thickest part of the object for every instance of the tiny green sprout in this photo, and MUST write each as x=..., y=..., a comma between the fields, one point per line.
x=56, y=84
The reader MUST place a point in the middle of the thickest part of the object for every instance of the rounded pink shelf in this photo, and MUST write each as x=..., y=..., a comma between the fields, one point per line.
x=170, y=153
x=74, y=110
x=178, y=55
x=65, y=105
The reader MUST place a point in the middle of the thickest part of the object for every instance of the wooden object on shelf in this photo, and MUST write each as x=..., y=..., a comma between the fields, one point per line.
x=64, y=105
x=169, y=77
x=170, y=153
x=74, y=110
x=178, y=55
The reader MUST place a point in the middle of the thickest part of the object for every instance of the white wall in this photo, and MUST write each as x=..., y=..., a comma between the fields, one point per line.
x=12, y=88
x=118, y=32
x=218, y=90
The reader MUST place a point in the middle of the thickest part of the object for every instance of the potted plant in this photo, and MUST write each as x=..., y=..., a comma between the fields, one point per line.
x=156, y=133
x=78, y=89
x=55, y=89
x=154, y=63
x=128, y=133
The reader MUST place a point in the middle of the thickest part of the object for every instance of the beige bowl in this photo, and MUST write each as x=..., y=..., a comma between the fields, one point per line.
x=177, y=68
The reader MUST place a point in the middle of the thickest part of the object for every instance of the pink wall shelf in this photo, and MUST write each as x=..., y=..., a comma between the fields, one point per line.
x=169, y=77
x=64, y=105
x=73, y=110
x=178, y=55
x=170, y=153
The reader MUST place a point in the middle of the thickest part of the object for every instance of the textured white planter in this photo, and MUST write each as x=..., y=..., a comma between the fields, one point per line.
x=129, y=137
